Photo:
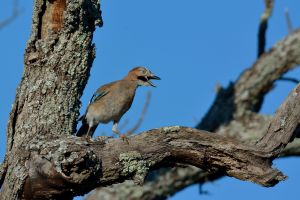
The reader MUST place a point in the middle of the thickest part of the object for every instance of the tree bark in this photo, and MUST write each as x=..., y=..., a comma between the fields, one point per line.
x=58, y=58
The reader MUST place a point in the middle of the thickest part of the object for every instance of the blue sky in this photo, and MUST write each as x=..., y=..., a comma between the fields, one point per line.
x=191, y=45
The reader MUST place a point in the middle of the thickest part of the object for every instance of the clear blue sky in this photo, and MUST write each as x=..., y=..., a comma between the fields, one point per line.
x=191, y=45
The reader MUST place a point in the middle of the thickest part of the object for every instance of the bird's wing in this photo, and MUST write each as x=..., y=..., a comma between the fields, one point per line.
x=102, y=91
x=98, y=95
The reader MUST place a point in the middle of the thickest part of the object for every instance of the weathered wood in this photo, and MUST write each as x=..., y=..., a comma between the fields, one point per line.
x=58, y=59
x=74, y=166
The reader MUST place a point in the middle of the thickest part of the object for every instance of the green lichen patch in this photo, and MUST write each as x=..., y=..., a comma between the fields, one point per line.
x=133, y=163
x=171, y=129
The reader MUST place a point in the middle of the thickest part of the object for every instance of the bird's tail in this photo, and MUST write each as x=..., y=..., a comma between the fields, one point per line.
x=83, y=130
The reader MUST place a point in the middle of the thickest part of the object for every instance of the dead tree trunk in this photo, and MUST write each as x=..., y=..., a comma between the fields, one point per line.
x=58, y=59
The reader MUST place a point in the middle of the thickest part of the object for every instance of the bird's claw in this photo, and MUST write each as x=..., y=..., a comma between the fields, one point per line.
x=124, y=138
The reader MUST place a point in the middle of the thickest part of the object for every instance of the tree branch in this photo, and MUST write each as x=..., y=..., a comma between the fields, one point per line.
x=263, y=25
x=288, y=20
x=293, y=80
x=3, y=169
x=15, y=13
x=247, y=93
x=87, y=165
x=142, y=116
x=286, y=121
x=231, y=116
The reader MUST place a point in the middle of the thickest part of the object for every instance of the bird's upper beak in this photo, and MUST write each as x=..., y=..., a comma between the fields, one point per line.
x=153, y=77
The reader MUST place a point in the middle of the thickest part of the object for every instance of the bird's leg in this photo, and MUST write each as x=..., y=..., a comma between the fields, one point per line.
x=87, y=136
x=88, y=132
x=116, y=130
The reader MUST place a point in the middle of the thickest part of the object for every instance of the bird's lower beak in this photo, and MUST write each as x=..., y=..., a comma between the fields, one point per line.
x=154, y=78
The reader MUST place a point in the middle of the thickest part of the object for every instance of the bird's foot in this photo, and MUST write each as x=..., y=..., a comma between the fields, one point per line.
x=89, y=138
x=124, y=138
x=102, y=139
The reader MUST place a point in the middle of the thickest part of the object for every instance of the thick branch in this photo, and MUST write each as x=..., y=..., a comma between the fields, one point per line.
x=75, y=161
x=160, y=187
x=286, y=121
x=86, y=165
x=248, y=92
x=258, y=80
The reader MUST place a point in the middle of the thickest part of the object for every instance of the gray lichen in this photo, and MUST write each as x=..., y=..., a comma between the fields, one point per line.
x=133, y=163
x=171, y=129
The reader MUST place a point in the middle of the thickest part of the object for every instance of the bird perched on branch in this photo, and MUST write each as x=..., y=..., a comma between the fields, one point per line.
x=111, y=101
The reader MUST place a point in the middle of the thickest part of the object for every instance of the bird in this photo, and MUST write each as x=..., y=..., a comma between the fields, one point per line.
x=111, y=101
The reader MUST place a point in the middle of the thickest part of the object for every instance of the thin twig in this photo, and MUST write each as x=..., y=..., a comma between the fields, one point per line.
x=124, y=124
x=293, y=80
x=142, y=116
x=288, y=20
x=15, y=13
x=263, y=25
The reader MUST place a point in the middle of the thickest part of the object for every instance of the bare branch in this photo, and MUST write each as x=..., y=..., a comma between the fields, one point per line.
x=286, y=121
x=15, y=13
x=258, y=80
x=263, y=25
x=149, y=150
x=293, y=80
x=142, y=116
x=246, y=95
x=159, y=148
x=288, y=20
x=161, y=187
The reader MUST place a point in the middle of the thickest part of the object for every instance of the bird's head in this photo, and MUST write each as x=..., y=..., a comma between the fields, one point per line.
x=142, y=75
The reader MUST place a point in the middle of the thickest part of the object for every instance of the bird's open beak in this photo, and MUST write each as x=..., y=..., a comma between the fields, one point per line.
x=153, y=77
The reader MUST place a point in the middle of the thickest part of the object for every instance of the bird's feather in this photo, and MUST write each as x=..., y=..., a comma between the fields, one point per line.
x=98, y=95
x=101, y=92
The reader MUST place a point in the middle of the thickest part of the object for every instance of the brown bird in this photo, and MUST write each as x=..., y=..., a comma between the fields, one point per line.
x=111, y=101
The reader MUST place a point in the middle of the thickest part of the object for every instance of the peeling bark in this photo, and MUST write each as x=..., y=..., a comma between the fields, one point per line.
x=52, y=17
